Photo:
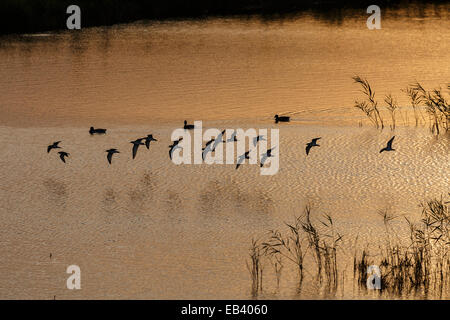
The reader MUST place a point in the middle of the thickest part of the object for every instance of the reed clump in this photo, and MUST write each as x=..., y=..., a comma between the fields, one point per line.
x=392, y=107
x=324, y=247
x=435, y=104
x=437, y=107
x=370, y=105
x=417, y=263
x=415, y=101
x=255, y=267
x=289, y=245
x=421, y=264
x=304, y=237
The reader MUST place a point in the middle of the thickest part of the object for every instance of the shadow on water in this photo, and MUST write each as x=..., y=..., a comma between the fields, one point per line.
x=40, y=15
x=143, y=192
x=57, y=192
x=223, y=196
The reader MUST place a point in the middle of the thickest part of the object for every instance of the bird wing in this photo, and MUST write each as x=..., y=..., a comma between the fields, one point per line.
x=263, y=159
x=147, y=143
x=308, y=147
x=219, y=138
x=389, y=144
x=135, y=149
x=216, y=143
x=209, y=142
x=206, y=150
x=61, y=155
x=109, y=156
x=315, y=140
x=177, y=141
x=172, y=148
x=240, y=160
x=49, y=148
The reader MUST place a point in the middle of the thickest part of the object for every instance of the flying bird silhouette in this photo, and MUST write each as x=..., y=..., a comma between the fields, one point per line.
x=174, y=146
x=63, y=154
x=242, y=158
x=281, y=119
x=208, y=148
x=110, y=154
x=233, y=137
x=149, y=139
x=311, y=144
x=218, y=140
x=136, y=143
x=97, y=131
x=388, y=146
x=209, y=142
x=258, y=138
x=266, y=155
x=53, y=146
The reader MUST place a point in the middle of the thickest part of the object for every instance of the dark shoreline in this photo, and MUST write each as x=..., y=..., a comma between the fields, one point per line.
x=29, y=16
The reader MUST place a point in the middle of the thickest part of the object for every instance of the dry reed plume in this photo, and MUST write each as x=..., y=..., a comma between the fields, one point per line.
x=433, y=102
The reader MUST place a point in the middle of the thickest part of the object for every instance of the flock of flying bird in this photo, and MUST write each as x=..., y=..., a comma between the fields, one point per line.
x=210, y=146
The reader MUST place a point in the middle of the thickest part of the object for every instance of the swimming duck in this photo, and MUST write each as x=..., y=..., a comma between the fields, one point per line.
x=282, y=118
x=188, y=126
x=97, y=131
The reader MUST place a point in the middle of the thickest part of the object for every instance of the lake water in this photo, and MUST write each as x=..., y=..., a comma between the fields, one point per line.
x=148, y=229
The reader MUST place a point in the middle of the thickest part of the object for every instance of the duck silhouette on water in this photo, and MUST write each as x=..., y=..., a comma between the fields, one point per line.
x=136, y=143
x=282, y=118
x=93, y=131
x=63, y=154
x=110, y=154
x=53, y=146
x=388, y=146
x=188, y=126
